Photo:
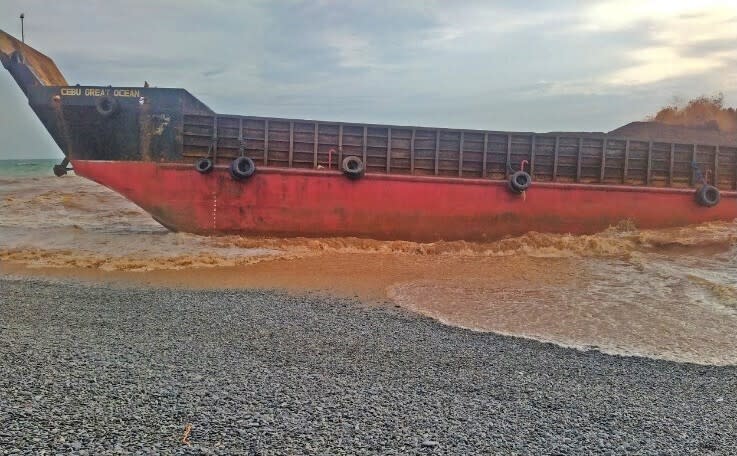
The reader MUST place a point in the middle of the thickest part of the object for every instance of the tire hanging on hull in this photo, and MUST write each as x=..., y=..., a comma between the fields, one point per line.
x=708, y=195
x=520, y=181
x=353, y=167
x=242, y=168
x=204, y=165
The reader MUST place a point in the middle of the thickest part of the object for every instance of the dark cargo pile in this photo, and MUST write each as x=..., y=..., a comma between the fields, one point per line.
x=656, y=131
x=703, y=120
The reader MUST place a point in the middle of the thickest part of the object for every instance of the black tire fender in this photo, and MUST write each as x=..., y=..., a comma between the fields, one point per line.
x=520, y=181
x=353, y=167
x=242, y=168
x=107, y=106
x=204, y=165
x=708, y=195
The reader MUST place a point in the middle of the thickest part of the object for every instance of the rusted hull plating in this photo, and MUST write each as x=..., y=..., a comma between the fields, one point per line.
x=288, y=202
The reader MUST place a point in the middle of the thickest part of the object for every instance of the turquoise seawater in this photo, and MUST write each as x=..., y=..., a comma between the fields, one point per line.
x=28, y=167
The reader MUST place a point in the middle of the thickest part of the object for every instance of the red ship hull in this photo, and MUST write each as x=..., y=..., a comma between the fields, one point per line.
x=288, y=202
x=408, y=182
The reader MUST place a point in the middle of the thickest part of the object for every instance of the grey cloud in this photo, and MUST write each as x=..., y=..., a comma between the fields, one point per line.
x=706, y=48
x=525, y=65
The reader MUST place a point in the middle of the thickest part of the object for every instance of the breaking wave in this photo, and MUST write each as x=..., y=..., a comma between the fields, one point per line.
x=614, y=242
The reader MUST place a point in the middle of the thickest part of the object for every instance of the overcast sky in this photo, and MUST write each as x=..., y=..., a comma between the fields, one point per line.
x=534, y=66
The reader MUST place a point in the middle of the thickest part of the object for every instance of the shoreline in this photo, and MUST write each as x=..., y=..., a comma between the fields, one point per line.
x=390, y=281
x=350, y=274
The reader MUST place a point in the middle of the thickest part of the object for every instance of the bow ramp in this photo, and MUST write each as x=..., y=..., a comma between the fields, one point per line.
x=28, y=67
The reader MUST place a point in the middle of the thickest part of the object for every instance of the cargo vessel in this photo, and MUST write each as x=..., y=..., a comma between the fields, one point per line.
x=198, y=171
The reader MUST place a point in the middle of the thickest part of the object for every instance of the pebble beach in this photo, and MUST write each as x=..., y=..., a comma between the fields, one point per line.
x=89, y=369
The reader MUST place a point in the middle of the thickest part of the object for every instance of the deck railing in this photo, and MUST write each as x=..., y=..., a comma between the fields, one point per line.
x=586, y=158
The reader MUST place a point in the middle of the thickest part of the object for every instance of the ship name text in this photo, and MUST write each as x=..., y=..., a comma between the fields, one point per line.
x=98, y=92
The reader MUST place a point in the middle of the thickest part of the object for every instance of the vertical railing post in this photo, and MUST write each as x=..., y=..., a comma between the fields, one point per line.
x=672, y=164
x=340, y=146
x=388, y=150
x=365, y=147
x=532, y=156
x=266, y=142
x=486, y=151
x=602, y=174
x=579, y=159
x=735, y=171
x=291, y=143
x=241, y=148
x=215, y=139
x=649, y=162
x=509, y=156
x=460, y=156
x=625, y=171
x=693, y=164
x=437, y=152
x=412, y=153
x=315, y=144
x=716, y=167
x=734, y=162
x=555, y=158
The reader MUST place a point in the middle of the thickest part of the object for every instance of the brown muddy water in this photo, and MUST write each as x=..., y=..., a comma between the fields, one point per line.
x=668, y=294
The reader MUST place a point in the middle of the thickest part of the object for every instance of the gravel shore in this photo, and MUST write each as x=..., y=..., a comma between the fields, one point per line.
x=94, y=370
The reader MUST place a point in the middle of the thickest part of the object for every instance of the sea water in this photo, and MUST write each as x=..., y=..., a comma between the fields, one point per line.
x=662, y=293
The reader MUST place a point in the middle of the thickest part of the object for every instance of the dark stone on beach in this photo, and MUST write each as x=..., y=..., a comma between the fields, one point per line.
x=104, y=370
